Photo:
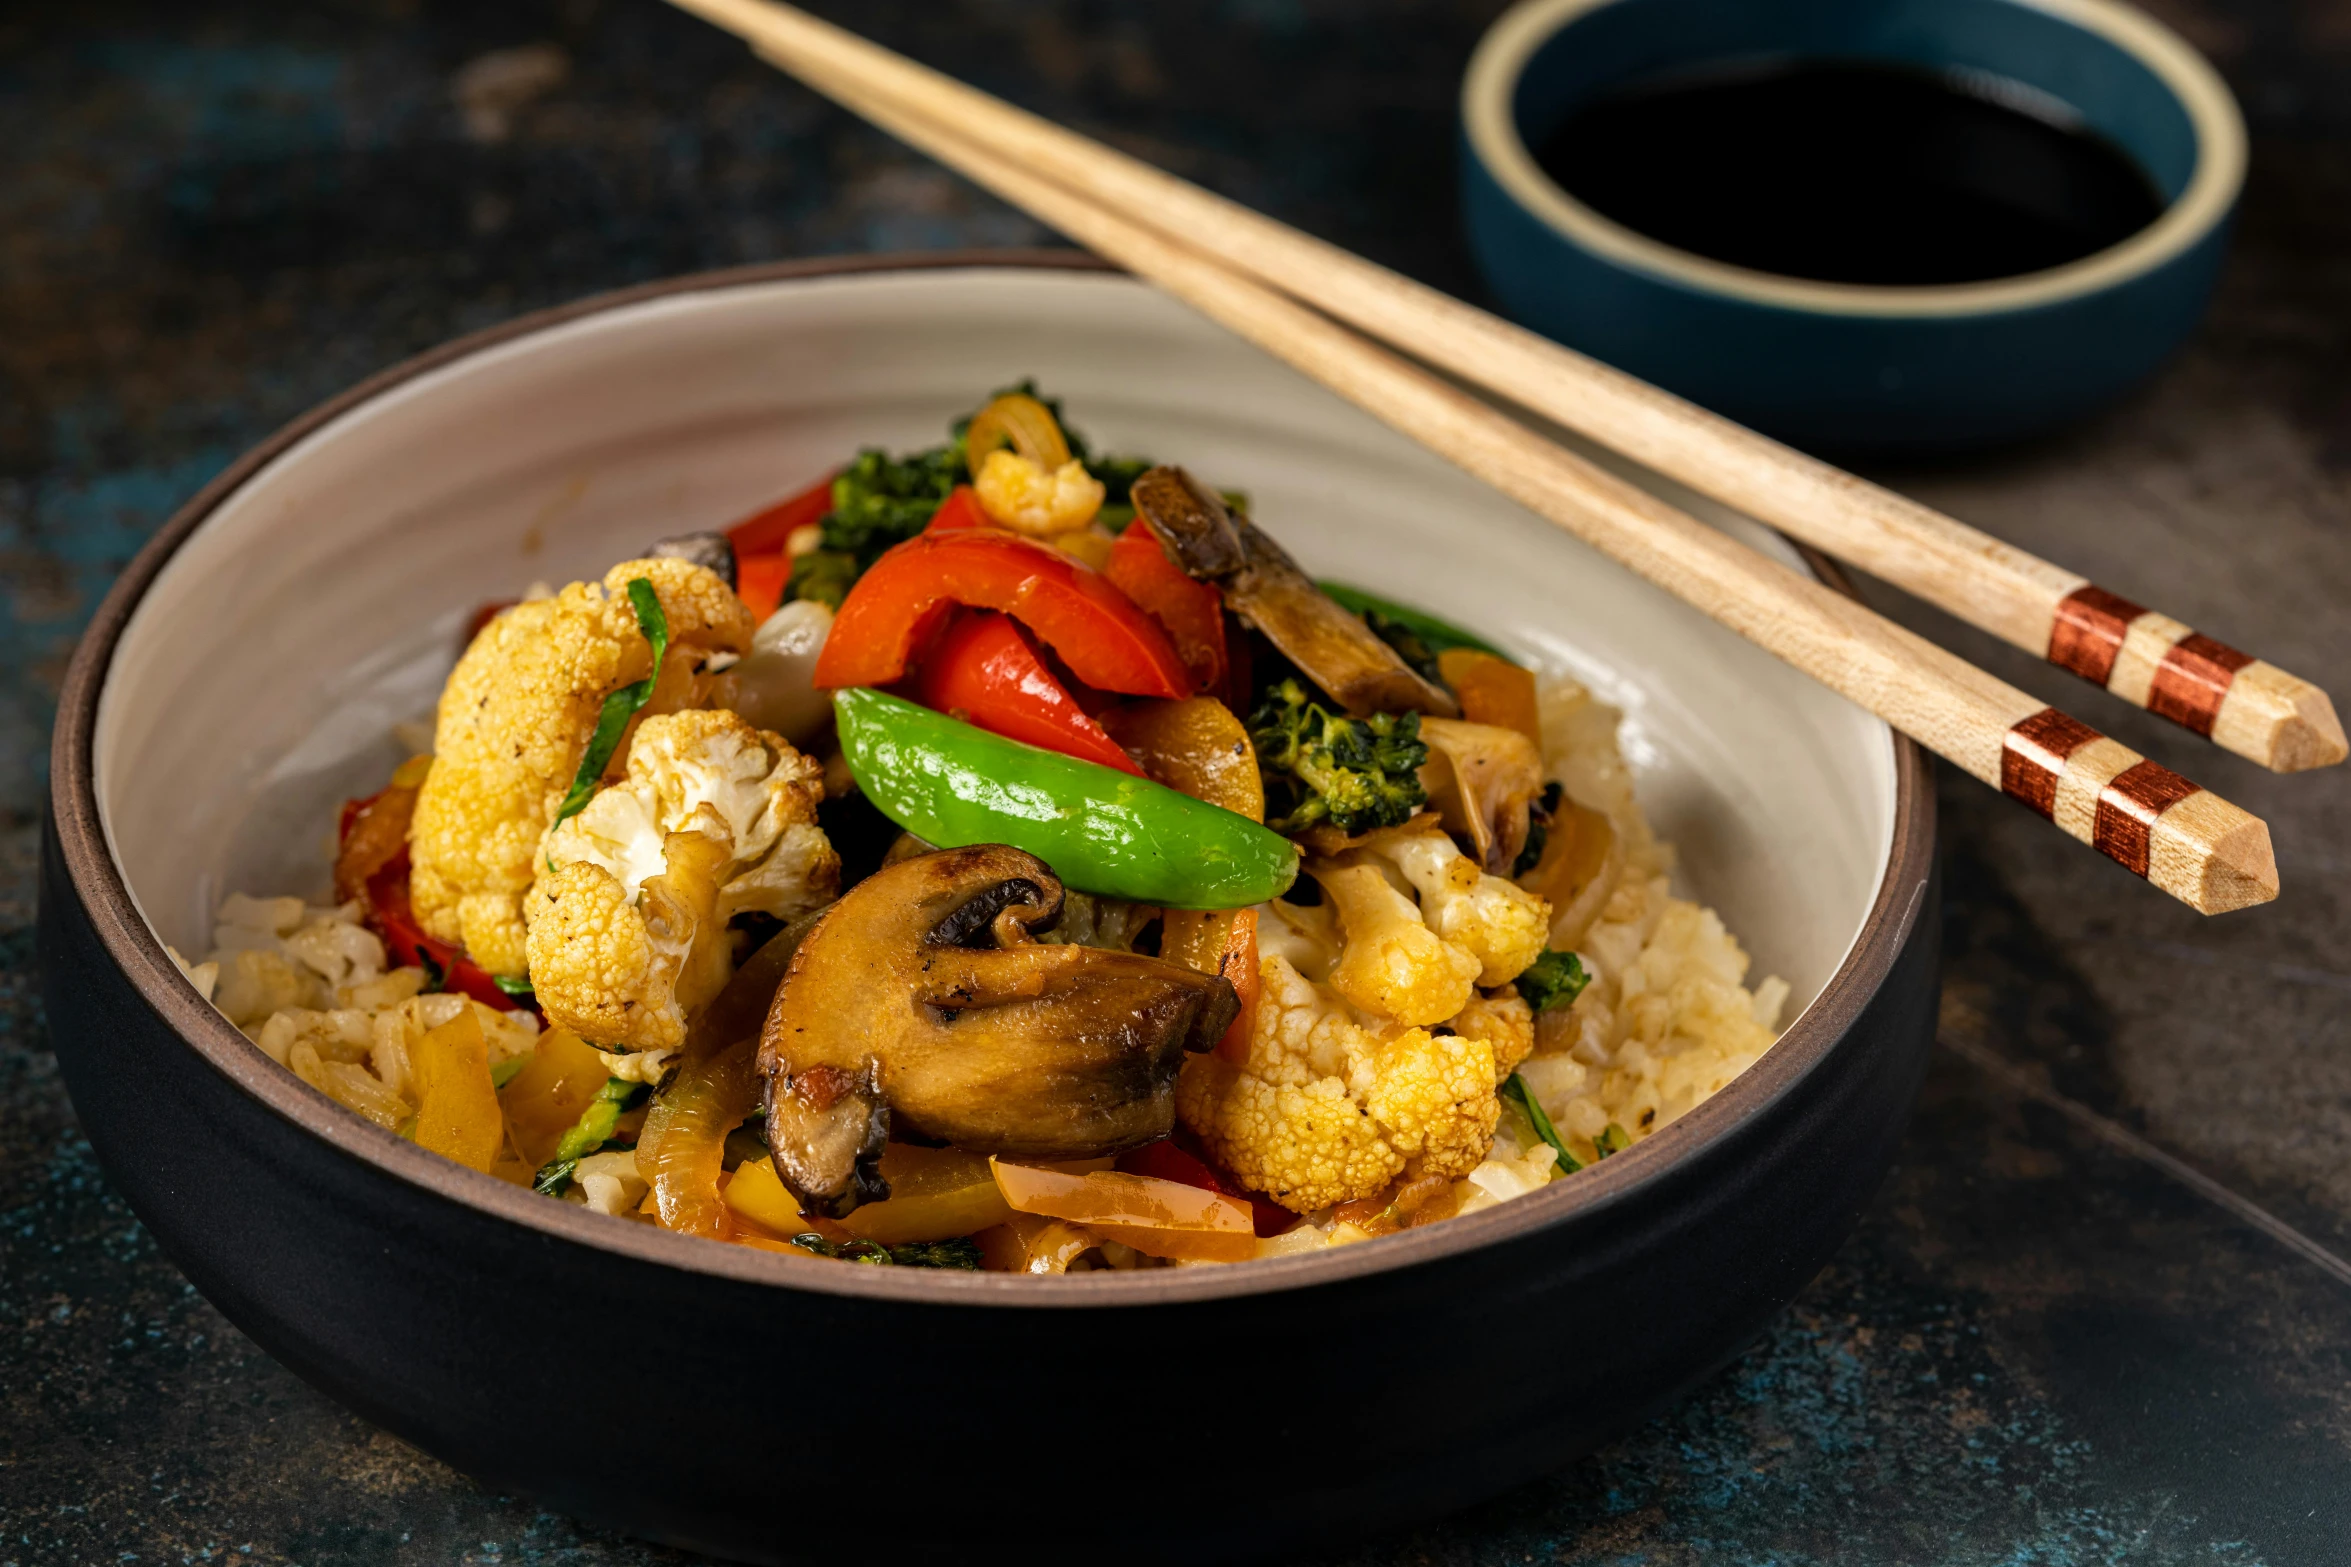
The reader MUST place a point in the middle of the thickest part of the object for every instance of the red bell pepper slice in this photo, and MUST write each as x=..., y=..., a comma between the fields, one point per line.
x=405, y=941
x=767, y=532
x=960, y=510
x=759, y=582
x=983, y=671
x=1167, y=1162
x=1096, y=631
x=1191, y=612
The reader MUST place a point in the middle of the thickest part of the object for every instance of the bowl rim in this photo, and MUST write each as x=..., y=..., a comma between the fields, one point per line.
x=1491, y=129
x=139, y=954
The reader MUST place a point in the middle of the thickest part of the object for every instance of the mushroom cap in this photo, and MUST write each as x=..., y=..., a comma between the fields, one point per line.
x=921, y=1002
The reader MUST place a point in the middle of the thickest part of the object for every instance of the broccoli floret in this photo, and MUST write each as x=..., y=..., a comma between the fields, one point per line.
x=823, y=575
x=1553, y=980
x=961, y=1252
x=1320, y=766
x=880, y=501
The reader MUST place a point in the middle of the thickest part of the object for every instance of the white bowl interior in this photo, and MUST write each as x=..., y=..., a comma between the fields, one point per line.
x=258, y=681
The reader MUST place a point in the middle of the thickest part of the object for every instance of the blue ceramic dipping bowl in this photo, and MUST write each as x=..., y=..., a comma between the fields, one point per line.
x=1841, y=366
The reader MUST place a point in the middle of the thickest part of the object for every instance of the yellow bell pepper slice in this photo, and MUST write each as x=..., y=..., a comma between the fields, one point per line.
x=546, y=1098
x=935, y=1195
x=457, y=1113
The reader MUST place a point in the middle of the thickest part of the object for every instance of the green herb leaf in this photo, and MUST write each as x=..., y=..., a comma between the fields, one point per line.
x=1553, y=980
x=508, y=1070
x=516, y=985
x=620, y=706
x=1612, y=1139
x=961, y=1252
x=1515, y=1087
x=436, y=978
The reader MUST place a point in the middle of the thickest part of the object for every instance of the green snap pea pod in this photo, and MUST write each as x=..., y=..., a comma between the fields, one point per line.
x=1438, y=634
x=1102, y=831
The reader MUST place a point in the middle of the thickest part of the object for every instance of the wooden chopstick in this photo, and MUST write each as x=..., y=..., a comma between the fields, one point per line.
x=2245, y=704
x=2190, y=842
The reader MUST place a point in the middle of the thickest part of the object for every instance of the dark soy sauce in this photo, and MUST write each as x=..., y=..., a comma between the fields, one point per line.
x=1853, y=173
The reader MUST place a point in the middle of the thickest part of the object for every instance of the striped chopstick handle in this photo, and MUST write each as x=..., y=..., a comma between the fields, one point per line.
x=2145, y=657
x=2138, y=813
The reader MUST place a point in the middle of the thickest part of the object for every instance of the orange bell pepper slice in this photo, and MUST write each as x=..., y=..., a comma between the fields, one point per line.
x=1493, y=691
x=983, y=671
x=1096, y=630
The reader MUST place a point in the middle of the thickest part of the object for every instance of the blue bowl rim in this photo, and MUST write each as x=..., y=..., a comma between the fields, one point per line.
x=1491, y=83
x=87, y=856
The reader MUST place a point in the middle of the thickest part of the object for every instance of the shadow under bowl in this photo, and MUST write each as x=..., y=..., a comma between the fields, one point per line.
x=242, y=678
x=1844, y=367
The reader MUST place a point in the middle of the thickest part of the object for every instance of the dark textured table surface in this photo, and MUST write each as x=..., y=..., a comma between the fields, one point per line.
x=2100, y=1312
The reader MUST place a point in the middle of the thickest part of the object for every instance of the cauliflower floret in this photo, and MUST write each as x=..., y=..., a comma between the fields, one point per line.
x=1498, y=922
x=514, y=721
x=1392, y=964
x=1504, y=1021
x=763, y=794
x=1324, y=1110
x=625, y=967
x=1021, y=494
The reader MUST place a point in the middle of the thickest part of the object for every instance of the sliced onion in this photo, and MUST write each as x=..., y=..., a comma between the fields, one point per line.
x=683, y=1146
x=1158, y=1218
x=1020, y=422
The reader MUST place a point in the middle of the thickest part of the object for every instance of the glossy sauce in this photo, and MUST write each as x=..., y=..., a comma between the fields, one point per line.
x=1850, y=172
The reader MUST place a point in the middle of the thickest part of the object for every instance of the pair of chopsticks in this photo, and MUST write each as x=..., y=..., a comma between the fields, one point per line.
x=1250, y=273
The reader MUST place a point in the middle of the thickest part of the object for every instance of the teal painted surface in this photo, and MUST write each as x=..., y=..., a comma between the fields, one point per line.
x=2036, y=1350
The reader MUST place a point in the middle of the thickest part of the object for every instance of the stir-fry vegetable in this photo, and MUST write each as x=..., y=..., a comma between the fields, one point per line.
x=1355, y=773
x=621, y=705
x=1492, y=691
x=1158, y=1218
x=1104, y=831
x=1438, y=636
x=1192, y=613
x=1553, y=980
x=592, y=1131
x=1095, y=630
x=983, y=670
x=683, y=1146
x=922, y=1001
x=1515, y=1089
x=958, y=1252
x=457, y=1107
x=557, y=1082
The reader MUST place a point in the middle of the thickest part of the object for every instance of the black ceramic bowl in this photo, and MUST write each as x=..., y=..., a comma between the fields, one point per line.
x=242, y=675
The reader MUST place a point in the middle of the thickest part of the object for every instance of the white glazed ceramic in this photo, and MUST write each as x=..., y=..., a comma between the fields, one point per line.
x=258, y=680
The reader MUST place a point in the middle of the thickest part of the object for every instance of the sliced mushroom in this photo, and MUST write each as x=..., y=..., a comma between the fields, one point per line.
x=1324, y=638
x=921, y=1002
x=714, y=550
x=1190, y=521
x=1266, y=588
x=1482, y=779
